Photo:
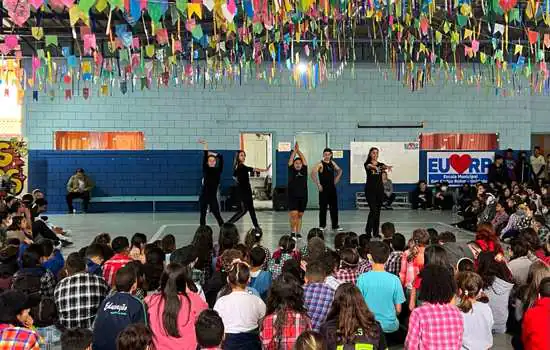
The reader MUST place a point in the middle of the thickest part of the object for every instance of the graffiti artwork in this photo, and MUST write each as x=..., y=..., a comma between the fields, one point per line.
x=13, y=164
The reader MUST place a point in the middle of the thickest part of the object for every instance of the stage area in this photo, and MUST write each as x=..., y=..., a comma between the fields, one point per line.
x=275, y=224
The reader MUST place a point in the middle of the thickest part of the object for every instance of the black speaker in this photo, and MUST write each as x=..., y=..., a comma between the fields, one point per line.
x=280, y=199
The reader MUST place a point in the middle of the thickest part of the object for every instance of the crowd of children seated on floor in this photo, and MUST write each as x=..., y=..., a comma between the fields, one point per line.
x=428, y=292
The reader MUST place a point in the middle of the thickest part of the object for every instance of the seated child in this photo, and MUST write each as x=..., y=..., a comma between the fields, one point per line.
x=209, y=330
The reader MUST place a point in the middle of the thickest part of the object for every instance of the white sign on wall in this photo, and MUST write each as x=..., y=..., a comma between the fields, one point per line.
x=403, y=156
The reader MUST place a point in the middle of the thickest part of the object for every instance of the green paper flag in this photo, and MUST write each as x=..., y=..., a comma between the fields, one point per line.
x=181, y=5
x=197, y=32
x=155, y=10
x=86, y=5
x=51, y=40
x=540, y=55
x=257, y=27
x=499, y=55
x=461, y=20
x=40, y=53
x=514, y=15
x=123, y=56
x=117, y=3
x=174, y=14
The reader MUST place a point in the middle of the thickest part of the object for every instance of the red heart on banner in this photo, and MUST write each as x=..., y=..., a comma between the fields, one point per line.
x=460, y=163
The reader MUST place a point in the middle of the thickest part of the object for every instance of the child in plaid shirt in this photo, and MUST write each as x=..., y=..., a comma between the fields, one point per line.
x=393, y=265
x=286, y=251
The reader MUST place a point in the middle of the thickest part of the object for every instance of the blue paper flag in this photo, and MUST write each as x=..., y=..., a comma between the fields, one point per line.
x=248, y=9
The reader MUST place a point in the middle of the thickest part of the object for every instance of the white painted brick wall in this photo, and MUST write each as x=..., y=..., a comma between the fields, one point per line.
x=175, y=118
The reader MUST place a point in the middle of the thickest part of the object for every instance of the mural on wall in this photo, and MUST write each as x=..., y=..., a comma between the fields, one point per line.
x=13, y=164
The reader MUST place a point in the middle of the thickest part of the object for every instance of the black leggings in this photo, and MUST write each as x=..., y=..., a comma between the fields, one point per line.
x=210, y=200
x=328, y=198
x=373, y=222
x=247, y=205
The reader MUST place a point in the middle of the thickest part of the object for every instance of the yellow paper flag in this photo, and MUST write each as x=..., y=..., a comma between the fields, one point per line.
x=446, y=27
x=150, y=50
x=468, y=33
x=75, y=14
x=193, y=8
x=37, y=32
x=438, y=37
x=422, y=48
x=101, y=5
x=482, y=57
x=518, y=49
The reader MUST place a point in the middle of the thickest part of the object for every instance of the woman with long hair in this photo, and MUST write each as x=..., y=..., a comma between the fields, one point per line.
x=240, y=311
x=374, y=190
x=350, y=323
x=477, y=315
x=487, y=239
x=497, y=285
x=174, y=310
x=241, y=173
x=203, y=242
x=286, y=316
x=212, y=168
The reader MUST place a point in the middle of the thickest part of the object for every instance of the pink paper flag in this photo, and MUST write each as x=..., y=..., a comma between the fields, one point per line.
x=190, y=24
x=58, y=4
x=177, y=46
x=36, y=3
x=11, y=41
x=231, y=7
x=89, y=43
x=135, y=42
x=475, y=46
x=162, y=36
x=18, y=10
x=68, y=3
x=84, y=30
x=4, y=49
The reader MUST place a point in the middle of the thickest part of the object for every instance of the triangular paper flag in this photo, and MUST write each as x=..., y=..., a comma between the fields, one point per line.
x=518, y=49
x=438, y=37
x=461, y=20
x=101, y=5
x=533, y=36
x=181, y=5
x=475, y=46
x=37, y=32
x=209, y=4
x=18, y=10
x=197, y=32
x=11, y=41
x=446, y=27
x=86, y=5
x=150, y=50
x=194, y=9
x=36, y=3
x=482, y=57
x=51, y=40
x=499, y=28
x=467, y=33
x=547, y=41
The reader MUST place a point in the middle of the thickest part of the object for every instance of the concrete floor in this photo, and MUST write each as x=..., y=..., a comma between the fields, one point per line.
x=275, y=224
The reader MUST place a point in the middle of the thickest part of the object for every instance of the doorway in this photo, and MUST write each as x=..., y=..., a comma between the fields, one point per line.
x=312, y=145
x=259, y=154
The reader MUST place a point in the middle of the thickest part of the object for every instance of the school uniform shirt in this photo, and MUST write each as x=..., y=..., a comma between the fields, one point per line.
x=115, y=314
x=536, y=325
x=187, y=316
x=318, y=298
x=435, y=327
x=261, y=281
x=111, y=266
x=382, y=291
x=240, y=311
x=478, y=324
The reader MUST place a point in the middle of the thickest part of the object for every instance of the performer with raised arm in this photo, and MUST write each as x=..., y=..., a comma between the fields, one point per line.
x=241, y=173
x=212, y=167
x=374, y=190
x=297, y=190
x=326, y=174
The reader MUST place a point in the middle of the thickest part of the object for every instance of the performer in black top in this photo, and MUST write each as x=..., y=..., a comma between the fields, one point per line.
x=326, y=174
x=297, y=190
x=374, y=191
x=212, y=167
x=241, y=173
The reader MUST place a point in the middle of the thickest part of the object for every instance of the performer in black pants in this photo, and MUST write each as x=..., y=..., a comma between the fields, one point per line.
x=241, y=173
x=297, y=190
x=212, y=167
x=374, y=191
x=326, y=174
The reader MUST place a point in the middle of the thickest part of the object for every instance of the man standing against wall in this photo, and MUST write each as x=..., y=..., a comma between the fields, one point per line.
x=326, y=174
x=538, y=164
x=79, y=186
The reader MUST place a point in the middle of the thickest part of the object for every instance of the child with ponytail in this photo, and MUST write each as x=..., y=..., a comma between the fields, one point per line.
x=477, y=314
x=240, y=311
x=412, y=262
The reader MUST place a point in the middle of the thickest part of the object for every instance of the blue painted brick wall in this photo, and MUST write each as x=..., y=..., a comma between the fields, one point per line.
x=122, y=173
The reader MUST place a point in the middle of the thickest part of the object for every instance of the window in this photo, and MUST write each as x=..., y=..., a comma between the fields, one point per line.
x=456, y=141
x=10, y=112
x=89, y=140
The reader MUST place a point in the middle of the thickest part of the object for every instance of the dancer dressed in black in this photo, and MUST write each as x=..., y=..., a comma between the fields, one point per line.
x=212, y=167
x=326, y=174
x=374, y=191
x=297, y=190
x=241, y=173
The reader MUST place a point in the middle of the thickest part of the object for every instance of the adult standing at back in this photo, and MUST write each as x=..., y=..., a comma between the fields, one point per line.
x=79, y=186
x=374, y=191
x=297, y=190
x=538, y=164
x=326, y=174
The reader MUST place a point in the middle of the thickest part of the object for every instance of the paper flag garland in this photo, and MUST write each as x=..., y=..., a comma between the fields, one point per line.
x=51, y=40
x=37, y=32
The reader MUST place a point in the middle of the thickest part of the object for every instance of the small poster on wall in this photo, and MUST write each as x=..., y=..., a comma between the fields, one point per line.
x=458, y=168
x=284, y=147
x=13, y=166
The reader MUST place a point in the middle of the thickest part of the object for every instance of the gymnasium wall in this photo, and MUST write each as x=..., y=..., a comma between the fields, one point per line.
x=174, y=119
